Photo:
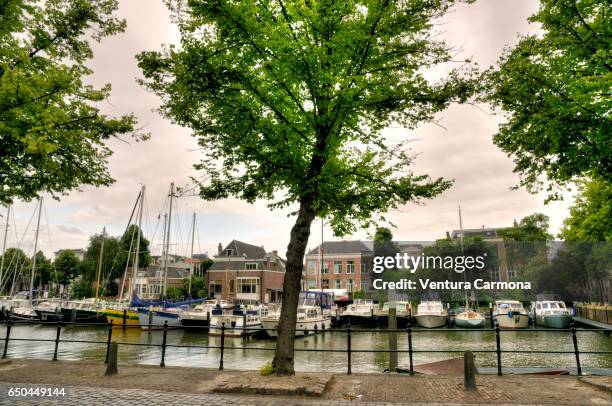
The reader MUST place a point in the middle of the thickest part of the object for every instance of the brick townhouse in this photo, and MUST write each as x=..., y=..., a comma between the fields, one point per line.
x=246, y=273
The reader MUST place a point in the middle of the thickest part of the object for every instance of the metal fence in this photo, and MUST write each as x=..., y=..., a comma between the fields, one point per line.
x=349, y=331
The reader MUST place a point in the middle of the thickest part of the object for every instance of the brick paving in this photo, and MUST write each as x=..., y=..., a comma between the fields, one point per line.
x=136, y=384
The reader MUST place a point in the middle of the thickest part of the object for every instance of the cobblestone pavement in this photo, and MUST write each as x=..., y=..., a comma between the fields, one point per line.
x=82, y=395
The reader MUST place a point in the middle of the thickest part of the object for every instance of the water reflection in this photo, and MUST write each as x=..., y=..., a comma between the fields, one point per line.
x=188, y=349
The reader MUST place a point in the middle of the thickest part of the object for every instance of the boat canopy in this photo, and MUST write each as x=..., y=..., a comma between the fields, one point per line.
x=137, y=302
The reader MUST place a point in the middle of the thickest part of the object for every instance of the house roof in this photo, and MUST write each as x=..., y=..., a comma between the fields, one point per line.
x=242, y=249
x=478, y=232
x=341, y=247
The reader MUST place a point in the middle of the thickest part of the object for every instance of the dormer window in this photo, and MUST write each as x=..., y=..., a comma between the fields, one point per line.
x=250, y=266
x=229, y=252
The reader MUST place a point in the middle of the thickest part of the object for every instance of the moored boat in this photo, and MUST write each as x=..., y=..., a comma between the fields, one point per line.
x=402, y=314
x=551, y=313
x=155, y=318
x=199, y=317
x=239, y=321
x=510, y=314
x=469, y=319
x=431, y=314
x=360, y=312
x=120, y=316
x=310, y=316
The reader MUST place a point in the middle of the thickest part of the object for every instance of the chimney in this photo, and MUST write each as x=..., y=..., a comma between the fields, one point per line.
x=219, y=249
x=448, y=235
x=275, y=252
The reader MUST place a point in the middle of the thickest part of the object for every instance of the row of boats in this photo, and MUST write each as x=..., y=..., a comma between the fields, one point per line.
x=509, y=314
x=316, y=312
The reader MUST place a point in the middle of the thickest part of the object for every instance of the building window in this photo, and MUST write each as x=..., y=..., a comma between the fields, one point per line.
x=511, y=273
x=248, y=285
x=364, y=286
x=250, y=266
x=229, y=252
x=325, y=284
x=338, y=284
x=215, y=288
x=325, y=268
x=311, y=267
x=312, y=284
x=364, y=267
x=350, y=266
x=337, y=267
x=350, y=285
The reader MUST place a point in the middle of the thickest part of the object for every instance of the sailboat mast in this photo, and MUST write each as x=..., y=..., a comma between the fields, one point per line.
x=100, y=259
x=168, y=238
x=6, y=226
x=462, y=252
x=137, y=252
x=319, y=274
x=40, y=200
x=192, y=261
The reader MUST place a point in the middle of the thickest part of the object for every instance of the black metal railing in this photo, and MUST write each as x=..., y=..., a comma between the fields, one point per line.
x=349, y=331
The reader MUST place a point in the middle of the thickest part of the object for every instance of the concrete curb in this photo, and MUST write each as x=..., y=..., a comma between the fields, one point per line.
x=602, y=383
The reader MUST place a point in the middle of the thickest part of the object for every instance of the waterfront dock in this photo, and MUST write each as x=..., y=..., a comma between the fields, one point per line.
x=85, y=383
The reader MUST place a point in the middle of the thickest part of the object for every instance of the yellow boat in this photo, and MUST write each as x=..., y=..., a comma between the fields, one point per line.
x=116, y=316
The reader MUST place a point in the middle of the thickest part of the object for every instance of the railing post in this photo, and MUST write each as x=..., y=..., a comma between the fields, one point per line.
x=57, y=339
x=576, y=351
x=108, y=340
x=124, y=319
x=348, y=347
x=163, y=359
x=222, y=345
x=6, y=339
x=498, y=344
x=410, y=352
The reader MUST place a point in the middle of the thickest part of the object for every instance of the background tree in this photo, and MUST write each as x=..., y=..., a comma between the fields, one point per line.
x=111, y=267
x=44, y=273
x=554, y=89
x=590, y=217
x=128, y=241
x=16, y=267
x=199, y=287
x=67, y=265
x=51, y=132
x=288, y=100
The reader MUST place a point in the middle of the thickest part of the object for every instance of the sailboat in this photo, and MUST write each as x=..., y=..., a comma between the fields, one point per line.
x=87, y=310
x=122, y=315
x=155, y=317
x=468, y=318
x=26, y=312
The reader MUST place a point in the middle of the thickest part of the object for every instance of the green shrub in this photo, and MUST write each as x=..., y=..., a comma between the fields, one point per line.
x=267, y=369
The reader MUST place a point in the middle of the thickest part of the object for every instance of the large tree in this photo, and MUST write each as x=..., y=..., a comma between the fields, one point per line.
x=554, y=88
x=590, y=217
x=288, y=100
x=52, y=134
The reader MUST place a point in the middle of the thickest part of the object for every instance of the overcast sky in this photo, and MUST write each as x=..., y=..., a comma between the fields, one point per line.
x=461, y=149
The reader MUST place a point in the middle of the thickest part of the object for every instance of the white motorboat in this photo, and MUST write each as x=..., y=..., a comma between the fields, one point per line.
x=431, y=314
x=360, y=312
x=402, y=313
x=239, y=321
x=310, y=316
x=510, y=314
x=551, y=313
x=199, y=317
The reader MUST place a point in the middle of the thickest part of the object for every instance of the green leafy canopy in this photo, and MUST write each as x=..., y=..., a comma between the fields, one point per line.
x=554, y=88
x=52, y=134
x=288, y=99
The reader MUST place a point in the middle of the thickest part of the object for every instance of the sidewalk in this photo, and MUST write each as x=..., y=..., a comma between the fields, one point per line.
x=85, y=384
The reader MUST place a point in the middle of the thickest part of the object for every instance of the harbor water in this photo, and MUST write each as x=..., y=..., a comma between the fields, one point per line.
x=77, y=343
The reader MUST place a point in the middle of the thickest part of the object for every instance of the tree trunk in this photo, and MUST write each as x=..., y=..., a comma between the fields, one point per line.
x=283, y=355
